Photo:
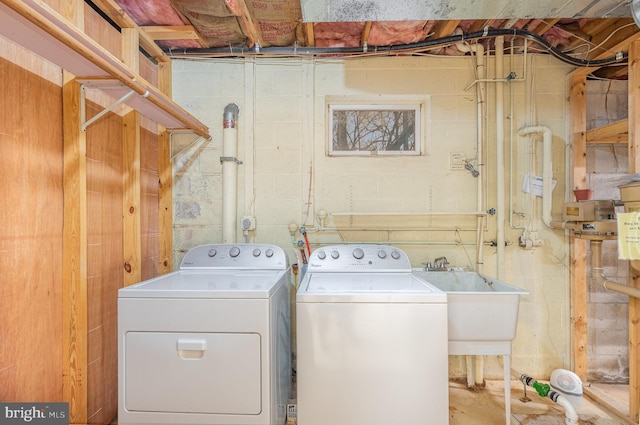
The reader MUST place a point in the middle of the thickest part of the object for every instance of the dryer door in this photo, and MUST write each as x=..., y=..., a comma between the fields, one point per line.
x=192, y=372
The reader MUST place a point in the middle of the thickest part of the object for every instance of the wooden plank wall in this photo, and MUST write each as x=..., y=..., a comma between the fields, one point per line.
x=62, y=238
x=149, y=197
x=30, y=236
x=104, y=258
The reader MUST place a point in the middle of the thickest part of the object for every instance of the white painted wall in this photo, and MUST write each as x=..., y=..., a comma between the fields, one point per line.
x=287, y=177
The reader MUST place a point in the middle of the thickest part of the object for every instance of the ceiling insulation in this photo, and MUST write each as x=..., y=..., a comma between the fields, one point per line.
x=585, y=30
x=400, y=10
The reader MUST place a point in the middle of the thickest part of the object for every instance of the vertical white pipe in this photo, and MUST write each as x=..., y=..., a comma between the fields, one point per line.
x=547, y=168
x=229, y=173
x=479, y=360
x=500, y=237
x=480, y=140
x=475, y=364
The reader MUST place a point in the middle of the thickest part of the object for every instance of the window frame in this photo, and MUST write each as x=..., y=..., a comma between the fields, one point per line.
x=418, y=104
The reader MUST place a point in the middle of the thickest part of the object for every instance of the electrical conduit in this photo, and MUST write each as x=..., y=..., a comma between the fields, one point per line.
x=230, y=163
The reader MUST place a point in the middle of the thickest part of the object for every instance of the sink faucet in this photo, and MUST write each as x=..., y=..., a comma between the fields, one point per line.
x=439, y=264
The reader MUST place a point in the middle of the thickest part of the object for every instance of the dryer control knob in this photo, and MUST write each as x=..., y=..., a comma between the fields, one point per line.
x=212, y=252
x=322, y=255
x=395, y=255
x=382, y=254
x=234, y=252
x=335, y=254
x=257, y=252
x=358, y=253
x=269, y=253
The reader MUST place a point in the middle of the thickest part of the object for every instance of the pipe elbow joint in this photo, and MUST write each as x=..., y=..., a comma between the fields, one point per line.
x=230, y=115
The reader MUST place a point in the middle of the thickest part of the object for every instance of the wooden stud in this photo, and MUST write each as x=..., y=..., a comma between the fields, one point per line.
x=165, y=192
x=309, y=34
x=247, y=22
x=444, y=29
x=165, y=213
x=168, y=32
x=74, y=265
x=634, y=167
x=131, y=238
x=131, y=203
x=364, y=37
x=578, y=264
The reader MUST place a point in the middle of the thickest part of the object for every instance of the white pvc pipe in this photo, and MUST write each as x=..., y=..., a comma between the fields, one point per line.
x=547, y=169
x=475, y=364
x=570, y=415
x=598, y=276
x=500, y=186
x=230, y=162
x=480, y=138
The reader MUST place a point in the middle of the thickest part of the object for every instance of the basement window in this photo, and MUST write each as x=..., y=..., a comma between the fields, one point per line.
x=369, y=129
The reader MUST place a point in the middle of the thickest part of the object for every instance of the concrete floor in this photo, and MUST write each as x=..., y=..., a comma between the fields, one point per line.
x=486, y=407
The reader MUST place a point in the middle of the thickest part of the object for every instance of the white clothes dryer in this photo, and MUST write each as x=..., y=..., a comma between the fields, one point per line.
x=371, y=340
x=209, y=343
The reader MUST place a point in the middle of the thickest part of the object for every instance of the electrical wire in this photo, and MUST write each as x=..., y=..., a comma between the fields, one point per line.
x=412, y=48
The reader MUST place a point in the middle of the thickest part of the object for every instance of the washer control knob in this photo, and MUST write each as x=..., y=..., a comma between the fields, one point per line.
x=234, y=252
x=335, y=254
x=358, y=253
x=322, y=255
x=212, y=252
x=269, y=253
x=395, y=254
x=257, y=252
x=382, y=254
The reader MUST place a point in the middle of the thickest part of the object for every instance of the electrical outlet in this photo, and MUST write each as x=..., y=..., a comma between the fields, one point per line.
x=457, y=161
x=248, y=222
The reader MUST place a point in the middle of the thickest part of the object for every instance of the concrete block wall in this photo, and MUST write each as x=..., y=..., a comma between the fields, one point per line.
x=287, y=177
x=607, y=320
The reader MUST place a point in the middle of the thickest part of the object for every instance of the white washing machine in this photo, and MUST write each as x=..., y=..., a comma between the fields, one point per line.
x=371, y=340
x=210, y=343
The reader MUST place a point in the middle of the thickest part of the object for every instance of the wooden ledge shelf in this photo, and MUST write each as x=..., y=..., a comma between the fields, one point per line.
x=614, y=133
x=39, y=28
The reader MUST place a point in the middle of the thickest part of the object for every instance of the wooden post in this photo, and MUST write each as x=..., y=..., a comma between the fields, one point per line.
x=131, y=227
x=165, y=173
x=131, y=238
x=578, y=265
x=74, y=247
x=634, y=167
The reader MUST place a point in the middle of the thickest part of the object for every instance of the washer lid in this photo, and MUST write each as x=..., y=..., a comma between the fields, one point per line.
x=209, y=284
x=367, y=287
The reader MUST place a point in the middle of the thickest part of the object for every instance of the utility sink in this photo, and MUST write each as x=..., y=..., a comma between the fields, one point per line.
x=481, y=310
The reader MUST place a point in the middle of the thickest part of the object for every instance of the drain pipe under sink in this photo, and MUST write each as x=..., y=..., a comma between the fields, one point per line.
x=475, y=364
x=544, y=390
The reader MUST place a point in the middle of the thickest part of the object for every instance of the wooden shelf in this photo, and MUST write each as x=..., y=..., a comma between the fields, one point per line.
x=37, y=27
x=616, y=132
